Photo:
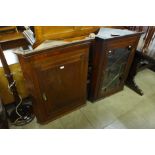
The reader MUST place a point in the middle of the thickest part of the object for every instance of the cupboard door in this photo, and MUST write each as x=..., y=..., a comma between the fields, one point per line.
x=113, y=74
x=63, y=85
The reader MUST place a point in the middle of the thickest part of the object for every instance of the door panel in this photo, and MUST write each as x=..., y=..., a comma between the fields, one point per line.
x=113, y=75
x=63, y=85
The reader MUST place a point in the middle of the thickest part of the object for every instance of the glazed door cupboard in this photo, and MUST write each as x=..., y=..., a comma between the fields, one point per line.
x=111, y=56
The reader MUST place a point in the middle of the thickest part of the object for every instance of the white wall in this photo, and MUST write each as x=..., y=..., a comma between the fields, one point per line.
x=10, y=57
x=151, y=48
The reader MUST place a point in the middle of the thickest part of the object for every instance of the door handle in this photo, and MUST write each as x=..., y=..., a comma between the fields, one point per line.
x=129, y=47
x=109, y=53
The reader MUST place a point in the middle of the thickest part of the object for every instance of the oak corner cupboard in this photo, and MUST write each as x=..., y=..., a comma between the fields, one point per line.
x=111, y=56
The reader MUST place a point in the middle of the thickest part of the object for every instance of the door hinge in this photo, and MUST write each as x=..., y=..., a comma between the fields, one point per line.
x=44, y=97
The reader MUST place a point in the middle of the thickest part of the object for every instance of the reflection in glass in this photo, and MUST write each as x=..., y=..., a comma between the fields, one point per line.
x=112, y=76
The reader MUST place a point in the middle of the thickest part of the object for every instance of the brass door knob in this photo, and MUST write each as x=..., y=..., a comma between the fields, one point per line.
x=62, y=67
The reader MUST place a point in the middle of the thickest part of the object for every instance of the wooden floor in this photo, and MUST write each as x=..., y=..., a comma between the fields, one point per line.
x=124, y=110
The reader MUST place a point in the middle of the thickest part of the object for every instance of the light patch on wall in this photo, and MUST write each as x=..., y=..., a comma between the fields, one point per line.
x=11, y=58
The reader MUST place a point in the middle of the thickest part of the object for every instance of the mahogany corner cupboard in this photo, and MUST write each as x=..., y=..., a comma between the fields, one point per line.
x=111, y=56
x=56, y=79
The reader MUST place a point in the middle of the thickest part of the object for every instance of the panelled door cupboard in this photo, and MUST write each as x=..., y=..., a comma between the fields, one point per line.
x=56, y=79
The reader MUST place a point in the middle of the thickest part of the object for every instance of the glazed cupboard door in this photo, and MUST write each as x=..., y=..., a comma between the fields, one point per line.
x=112, y=76
x=63, y=85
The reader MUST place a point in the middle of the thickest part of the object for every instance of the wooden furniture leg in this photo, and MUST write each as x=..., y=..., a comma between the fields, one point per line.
x=140, y=61
x=9, y=76
x=133, y=71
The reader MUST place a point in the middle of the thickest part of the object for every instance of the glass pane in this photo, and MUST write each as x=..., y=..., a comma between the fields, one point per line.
x=112, y=75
